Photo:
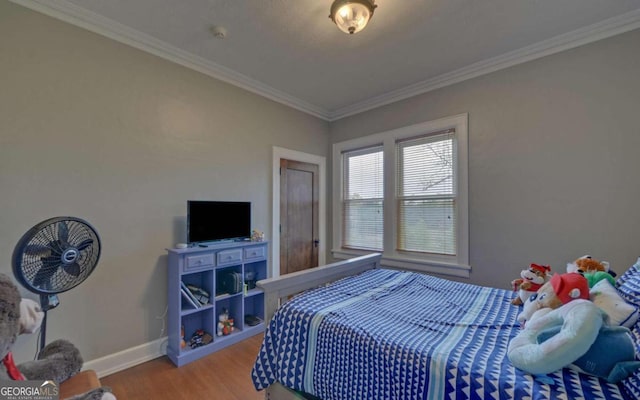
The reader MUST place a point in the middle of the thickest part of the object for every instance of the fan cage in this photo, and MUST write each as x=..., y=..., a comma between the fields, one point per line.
x=56, y=255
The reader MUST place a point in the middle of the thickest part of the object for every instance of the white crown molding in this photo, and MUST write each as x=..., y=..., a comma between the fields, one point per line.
x=601, y=30
x=78, y=16
x=69, y=12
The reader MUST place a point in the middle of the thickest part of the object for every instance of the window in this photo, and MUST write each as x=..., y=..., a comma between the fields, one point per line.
x=425, y=194
x=404, y=193
x=362, y=199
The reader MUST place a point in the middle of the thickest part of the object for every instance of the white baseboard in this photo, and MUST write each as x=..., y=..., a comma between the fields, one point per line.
x=127, y=358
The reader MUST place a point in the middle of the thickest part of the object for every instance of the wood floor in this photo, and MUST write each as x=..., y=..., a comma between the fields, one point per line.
x=222, y=375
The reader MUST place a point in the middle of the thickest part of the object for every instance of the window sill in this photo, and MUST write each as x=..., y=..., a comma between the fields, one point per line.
x=410, y=264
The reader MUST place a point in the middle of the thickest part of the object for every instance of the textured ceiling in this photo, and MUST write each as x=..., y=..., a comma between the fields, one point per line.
x=292, y=47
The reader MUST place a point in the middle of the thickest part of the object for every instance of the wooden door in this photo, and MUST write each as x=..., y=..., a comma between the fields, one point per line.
x=298, y=216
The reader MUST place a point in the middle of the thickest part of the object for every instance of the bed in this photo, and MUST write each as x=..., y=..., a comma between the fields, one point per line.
x=375, y=333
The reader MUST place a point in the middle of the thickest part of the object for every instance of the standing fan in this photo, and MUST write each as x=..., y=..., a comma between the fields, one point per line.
x=54, y=256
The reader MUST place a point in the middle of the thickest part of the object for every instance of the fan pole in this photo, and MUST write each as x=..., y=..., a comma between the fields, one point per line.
x=43, y=332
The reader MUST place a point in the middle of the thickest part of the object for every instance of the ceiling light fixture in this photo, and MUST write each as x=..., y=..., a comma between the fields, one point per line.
x=351, y=16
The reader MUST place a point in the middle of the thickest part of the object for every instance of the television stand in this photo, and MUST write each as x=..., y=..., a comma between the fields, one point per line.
x=204, y=266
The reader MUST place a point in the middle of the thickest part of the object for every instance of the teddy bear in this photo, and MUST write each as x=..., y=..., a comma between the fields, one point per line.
x=57, y=361
x=530, y=281
x=559, y=290
x=588, y=264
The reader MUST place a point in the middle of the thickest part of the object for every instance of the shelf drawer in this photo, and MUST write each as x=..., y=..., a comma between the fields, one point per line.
x=254, y=253
x=196, y=262
x=230, y=256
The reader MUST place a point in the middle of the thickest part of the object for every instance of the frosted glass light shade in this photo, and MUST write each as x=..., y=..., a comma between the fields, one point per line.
x=351, y=16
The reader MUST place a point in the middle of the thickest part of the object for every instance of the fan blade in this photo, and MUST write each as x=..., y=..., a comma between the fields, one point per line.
x=51, y=260
x=49, y=267
x=72, y=269
x=84, y=244
x=63, y=232
x=37, y=250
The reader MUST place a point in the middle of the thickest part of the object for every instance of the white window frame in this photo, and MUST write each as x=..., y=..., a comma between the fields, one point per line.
x=457, y=265
x=368, y=150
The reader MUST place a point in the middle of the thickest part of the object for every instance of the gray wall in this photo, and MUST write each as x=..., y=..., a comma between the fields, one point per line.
x=93, y=128
x=553, y=157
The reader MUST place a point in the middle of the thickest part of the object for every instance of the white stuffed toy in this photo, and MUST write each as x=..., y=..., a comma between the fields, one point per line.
x=31, y=316
x=574, y=334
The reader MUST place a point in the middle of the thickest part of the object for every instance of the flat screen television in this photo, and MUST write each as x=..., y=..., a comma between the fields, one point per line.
x=209, y=221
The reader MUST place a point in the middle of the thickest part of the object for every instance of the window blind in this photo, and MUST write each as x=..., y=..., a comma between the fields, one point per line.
x=426, y=193
x=363, y=192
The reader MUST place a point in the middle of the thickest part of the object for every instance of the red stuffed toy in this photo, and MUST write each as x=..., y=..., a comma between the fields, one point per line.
x=531, y=280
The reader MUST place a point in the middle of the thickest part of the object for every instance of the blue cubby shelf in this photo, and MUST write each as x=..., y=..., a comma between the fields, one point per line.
x=199, y=266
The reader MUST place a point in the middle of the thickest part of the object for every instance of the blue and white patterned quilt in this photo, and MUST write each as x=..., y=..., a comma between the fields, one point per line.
x=388, y=334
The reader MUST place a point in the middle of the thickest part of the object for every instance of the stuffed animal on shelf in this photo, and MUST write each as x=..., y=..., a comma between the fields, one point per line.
x=561, y=289
x=200, y=338
x=588, y=264
x=530, y=281
x=57, y=361
x=225, y=324
x=257, y=236
x=228, y=327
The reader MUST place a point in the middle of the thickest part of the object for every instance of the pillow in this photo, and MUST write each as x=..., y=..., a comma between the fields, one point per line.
x=605, y=296
x=629, y=284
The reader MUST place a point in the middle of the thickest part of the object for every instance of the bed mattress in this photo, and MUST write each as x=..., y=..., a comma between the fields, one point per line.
x=387, y=334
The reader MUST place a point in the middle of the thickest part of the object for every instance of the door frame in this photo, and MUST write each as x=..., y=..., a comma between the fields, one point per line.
x=321, y=162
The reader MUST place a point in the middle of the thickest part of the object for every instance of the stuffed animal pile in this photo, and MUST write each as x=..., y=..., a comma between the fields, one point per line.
x=577, y=319
x=561, y=289
x=58, y=361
